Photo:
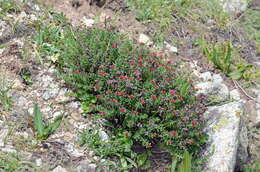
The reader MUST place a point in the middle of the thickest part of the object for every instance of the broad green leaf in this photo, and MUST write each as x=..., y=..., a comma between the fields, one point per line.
x=173, y=165
x=38, y=122
x=141, y=159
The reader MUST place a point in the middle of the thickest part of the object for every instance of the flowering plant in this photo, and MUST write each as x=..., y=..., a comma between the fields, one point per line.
x=140, y=94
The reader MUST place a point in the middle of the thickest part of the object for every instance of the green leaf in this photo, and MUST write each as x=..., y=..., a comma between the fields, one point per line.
x=51, y=128
x=185, y=165
x=38, y=122
x=141, y=159
x=173, y=165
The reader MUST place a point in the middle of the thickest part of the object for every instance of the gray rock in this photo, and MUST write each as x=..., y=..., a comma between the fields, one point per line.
x=242, y=153
x=86, y=166
x=223, y=127
x=235, y=95
x=217, y=92
x=234, y=6
x=59, y=169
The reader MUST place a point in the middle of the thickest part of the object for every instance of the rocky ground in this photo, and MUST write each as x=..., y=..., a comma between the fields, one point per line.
x=233, y=119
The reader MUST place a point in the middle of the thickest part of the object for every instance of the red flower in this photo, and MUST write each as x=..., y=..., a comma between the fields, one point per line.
x=154, y=97
x=152, y=81
x=91, y=105
x=169, y=142
x=102, y=113
x=112, y=66
x=174, y=112
x=160, y=56
x=140, y=64
x=172, y=101
x=140, y=59
x=123, y=77
x=135, y=112
x=156, y=86
x=193, y=123
x=97, y=86
x=114, y=101
x=142, y=101
x=98, y=96
x=173, y=133
x=152, y=69
x=131, y=96
x=122, y=109
x=126, y=134
x=172, y=92
x=101, y=73
x=133, y=63
x=135, y=71
x=163, y=92
x=114, y=46
x=120, y=93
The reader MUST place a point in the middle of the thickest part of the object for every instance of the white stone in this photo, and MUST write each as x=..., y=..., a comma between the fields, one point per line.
x=217, y=78
x=170, y=47
x=144, y=39
x=33, y=17
x=59, y=169
x=103, y=135
x=235, y=95
x=258, y=108
x=3, y=135
x=223, y=127
x=206, y=76
x=88, y=22
x=38, y=162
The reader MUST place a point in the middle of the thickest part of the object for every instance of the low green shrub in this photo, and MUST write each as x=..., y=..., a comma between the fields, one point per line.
x=142, y=97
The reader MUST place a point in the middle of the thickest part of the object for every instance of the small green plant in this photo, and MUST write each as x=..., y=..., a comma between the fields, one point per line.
x=43, y=131
x=220, y=55
x=26, y=76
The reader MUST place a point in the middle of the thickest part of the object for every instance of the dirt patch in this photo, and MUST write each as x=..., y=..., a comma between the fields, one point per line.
x=110, y=14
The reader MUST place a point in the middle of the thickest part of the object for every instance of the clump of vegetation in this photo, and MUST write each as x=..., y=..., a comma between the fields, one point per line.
x=43, y=131
x=142, y=97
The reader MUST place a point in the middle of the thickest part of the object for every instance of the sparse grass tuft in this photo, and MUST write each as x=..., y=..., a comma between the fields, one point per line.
x=5, y=99
x=12, y=162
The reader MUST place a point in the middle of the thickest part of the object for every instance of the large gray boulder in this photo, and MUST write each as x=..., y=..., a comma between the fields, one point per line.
x=224, y=128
